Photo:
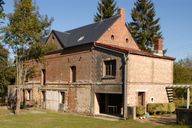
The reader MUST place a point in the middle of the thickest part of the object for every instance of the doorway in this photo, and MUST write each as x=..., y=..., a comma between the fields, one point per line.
x=110, y=103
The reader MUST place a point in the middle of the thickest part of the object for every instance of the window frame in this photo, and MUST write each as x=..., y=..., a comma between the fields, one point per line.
x=62, y=97
x=43, y=76
x=43, y=96
x=73, y=74
x=109, y=68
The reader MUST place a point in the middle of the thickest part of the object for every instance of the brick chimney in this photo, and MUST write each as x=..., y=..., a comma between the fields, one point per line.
x=158, y=47
x=122, y=14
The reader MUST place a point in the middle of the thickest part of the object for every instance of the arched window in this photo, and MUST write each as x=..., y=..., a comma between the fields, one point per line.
x=127, y=40
x=112, y=37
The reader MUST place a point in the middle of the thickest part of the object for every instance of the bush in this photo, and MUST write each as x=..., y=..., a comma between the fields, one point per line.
x=171, y=107
x=140, y=110
x=160, y=108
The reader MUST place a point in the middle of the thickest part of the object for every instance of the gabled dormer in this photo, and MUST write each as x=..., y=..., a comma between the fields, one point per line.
x=111, y=31
x=118, y=34
x=54, y=40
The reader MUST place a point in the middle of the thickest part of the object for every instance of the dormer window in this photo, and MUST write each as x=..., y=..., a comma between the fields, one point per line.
x=112, y=37
x=127, y=40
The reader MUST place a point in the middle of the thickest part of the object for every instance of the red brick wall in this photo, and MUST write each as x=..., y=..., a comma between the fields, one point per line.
x=120, y=32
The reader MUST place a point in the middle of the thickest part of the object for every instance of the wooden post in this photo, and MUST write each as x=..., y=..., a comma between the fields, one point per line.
x=188, y=97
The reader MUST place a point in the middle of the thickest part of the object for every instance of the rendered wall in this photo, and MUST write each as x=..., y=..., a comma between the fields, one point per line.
x=149, y=75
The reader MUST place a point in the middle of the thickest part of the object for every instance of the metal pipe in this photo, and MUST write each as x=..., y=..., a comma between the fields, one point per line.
x=125, y=58
x=188, y=98
x=125, y=86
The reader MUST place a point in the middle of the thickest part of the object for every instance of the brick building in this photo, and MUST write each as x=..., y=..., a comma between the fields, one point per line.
x=99, y=68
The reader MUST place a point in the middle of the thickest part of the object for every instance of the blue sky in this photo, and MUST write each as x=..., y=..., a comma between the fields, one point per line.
x=175, y=19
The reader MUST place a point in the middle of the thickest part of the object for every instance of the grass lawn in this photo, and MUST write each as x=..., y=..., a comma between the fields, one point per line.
x=61, y=120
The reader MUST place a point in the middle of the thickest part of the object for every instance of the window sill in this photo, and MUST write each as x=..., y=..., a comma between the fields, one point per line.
x=108, y=77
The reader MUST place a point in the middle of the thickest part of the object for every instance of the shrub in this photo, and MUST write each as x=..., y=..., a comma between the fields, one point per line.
x=140, y=110
x=160, y=108
x=171, y=107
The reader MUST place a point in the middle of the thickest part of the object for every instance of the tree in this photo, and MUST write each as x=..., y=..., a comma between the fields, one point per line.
x=26, y=28
x=7, y=71
x=183, y=71
x=182, y=75
x=106, y=9
x=144, y=27
x=1, y=9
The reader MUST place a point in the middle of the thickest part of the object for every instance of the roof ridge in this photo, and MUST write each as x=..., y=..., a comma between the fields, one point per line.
x=105, y=20
x=61, y=32
x=85, y=34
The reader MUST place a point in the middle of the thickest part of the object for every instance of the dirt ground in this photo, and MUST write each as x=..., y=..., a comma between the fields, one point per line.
x=160, y=120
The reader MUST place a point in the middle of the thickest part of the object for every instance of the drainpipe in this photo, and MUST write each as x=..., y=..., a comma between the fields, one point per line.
x=188, y=97
x=125, y=58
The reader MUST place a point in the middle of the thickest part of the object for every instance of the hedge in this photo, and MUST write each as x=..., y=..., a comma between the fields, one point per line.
x=140, y=110
x=160, y=108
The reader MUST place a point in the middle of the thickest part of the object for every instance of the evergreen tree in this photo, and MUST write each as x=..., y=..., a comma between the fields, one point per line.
x=106, y=9
x=26, y=27
x=7, y=71
x=1, y=8
x=144, y=27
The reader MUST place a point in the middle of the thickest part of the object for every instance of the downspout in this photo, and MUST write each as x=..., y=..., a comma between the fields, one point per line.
x=125, y=58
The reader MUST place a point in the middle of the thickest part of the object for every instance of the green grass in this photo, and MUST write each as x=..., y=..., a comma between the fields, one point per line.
x=59, y=120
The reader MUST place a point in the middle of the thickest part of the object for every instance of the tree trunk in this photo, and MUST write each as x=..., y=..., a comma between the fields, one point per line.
x=18, y=81
x=17, y=107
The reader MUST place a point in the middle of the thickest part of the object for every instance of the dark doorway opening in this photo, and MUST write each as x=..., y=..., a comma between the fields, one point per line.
x=110, y=103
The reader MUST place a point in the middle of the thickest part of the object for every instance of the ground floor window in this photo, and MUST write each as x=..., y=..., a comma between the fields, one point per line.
x=28, y=94
x=62, y=97
x=43, y=96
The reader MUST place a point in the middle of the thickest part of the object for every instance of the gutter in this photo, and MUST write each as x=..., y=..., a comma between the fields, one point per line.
x=125, y=58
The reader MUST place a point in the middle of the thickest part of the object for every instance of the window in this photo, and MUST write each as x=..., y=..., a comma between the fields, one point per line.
x=109, y=68
x=44, y=96
x=112, y=37
x=28, y=95
x=152, y=99
x=141, y=98
x=62, y=97
x=73, y=74
x=127, y=40
x=43, y=72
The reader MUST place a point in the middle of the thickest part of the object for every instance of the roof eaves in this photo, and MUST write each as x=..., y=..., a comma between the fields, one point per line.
x=133, y=51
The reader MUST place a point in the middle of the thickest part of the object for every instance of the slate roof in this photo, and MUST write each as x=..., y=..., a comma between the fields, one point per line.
x=84, y=35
